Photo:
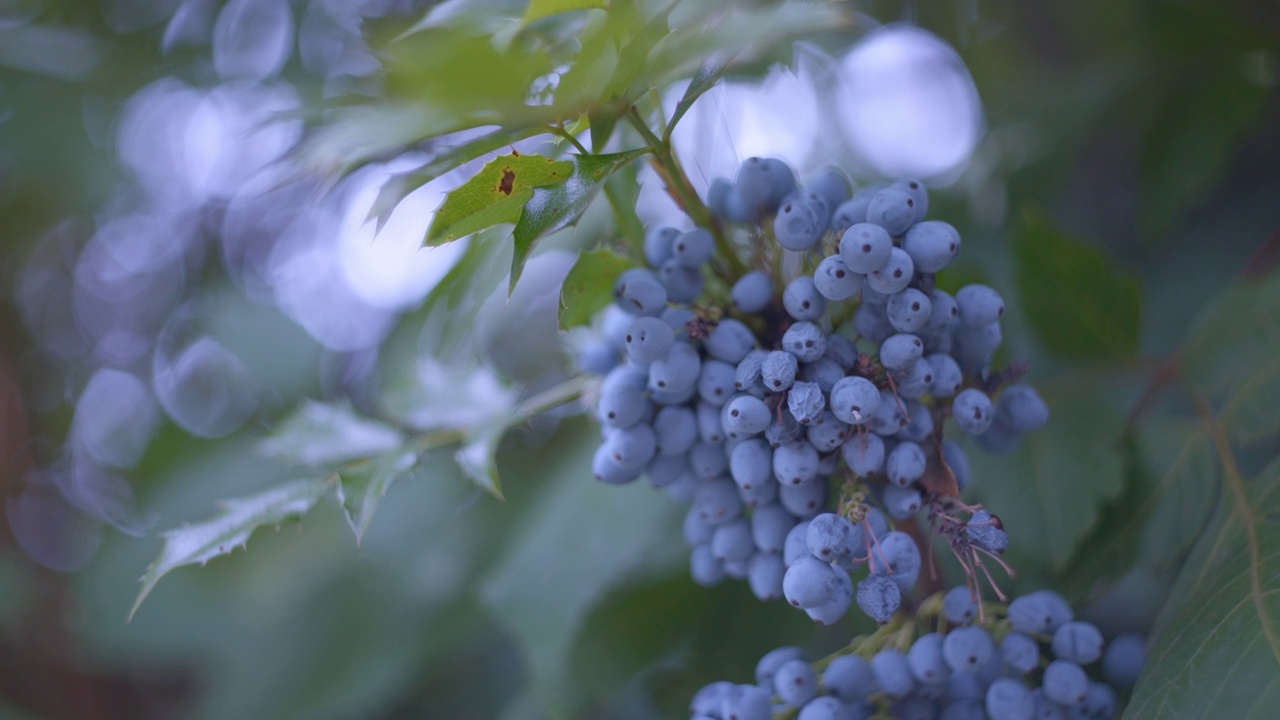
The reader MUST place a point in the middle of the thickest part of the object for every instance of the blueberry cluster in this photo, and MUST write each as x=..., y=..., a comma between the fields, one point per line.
x=1027, y=661
x=769, y=409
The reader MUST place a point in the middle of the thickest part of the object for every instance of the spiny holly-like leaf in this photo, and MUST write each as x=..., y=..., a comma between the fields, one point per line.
x=539, y=9
x=1217, y=647
x=361, y=486
x=589, y=286
x=201, y=542
x=323, y=433
x=1050, y=490
x=495, y=195
x=1101, y=319
x=435, y=396
x=557, y=206
x=478, y=455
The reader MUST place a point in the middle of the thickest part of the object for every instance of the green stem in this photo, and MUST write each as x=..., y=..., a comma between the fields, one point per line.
x=558, y=129
x=551, y=398
x=683, y=193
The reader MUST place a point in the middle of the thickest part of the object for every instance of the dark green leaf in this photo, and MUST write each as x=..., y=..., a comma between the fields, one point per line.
x=201, y=542
x=1050, y=490
x=323, y=433
x=1170, y=488
x=1238, y=332
x=633, y=59
x=495, y=195
x=361, y=486
x=602, y=121
x=1253, y=412
x=623, y=190
x=589, y=286
x=1080, y=303
x=477, y=456
x=1217, y=648
x=557, y=206
x=539, y=9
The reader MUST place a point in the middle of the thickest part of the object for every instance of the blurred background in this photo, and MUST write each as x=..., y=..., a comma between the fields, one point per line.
x=176, y=276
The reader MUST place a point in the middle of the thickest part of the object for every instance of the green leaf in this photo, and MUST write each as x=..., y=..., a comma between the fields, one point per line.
x=495, y=195
x=201, y=542
x=1170, y=488
x=441, y=397
x=580, y=539
x=539, y=9
x=602, y=121
x=1217, y=647
x=478, y=455
x=1080, y=303
x=319, y=433
x=1049, y=491
x=390, y=194
x=361, y=486
x=588, y=288
x=557, y=206
x=1236, y=333
x=709, y=73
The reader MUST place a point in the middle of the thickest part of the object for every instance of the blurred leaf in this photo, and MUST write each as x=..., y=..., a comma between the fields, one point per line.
x=1170, y=489
x=706, y=78
x=1081, y=304
x=1236, y=333
x=493, y=196
x=623, y=190
x=319, y=433
x=557, y=206
x=353, y=136
x=633, y=59
x=585, y=84
x=441, y=397
x=201, y=542
x=602, y=121
x=588, y=288
x=542, y=8
x=1049, y=491
x=1253, y=412
x=477, y=456
x=464, y=74
x=1217, y=648
x=361, y=486
x=580, y=539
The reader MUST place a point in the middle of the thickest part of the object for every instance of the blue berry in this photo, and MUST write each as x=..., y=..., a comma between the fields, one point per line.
x=675, y=430
x=890, y=668
x=979, y=305
x=773, y=660
x=984, y=531
x=764, y=576
x=1008, y=699
x=805, y=401
x=778, y=371
x=1099, y=703
x=916, y=190
x=893, y=210
x=865, y=248
x=899, y=352
x=638, y=291
x=795, y=682
x=1042, y=611
x=863, y=453
x=849, y=679
x=683, y=284
x=802, y=300
x=597, y=357
x=972, y=410
x=746, y=702
x=605, y=469
x=800, y=223
x=834, y=280
x=872, y=321
x=717, y=502
x=731, y=542
x=917, y=381
x=831, y=537
x=752, y=292
x=850, y=212
x=953, y=455
x=730, y=341
x=909, y=310
x=1065, y=683
x=649, y=339
x=745, y=415
x=905, y=463
x=770, y=525
x=809, y=582
x=824, y=372
x=925, y=659
x=1020, y=652
x=842, y=350
x=958, y=605
x=942, y=313
x=968, y=648
x=830, y=612
x=631, y=447
x=827, y=434
x=746, y=375
x=749, y=463
x=896, y=274
x=825, y=708
x=762, y=183
x=1021, y=408
x=794, y=463
x=805, y=341
x=947, y=377
x=1123, y=661
x=854, y=400
x=879, y=597
x=716, y=382
x=932, y=245
x=704, y=568
x=832, y=185
x=657, y=244
x=903, y=556
x=693, y=248
x=1078, y=641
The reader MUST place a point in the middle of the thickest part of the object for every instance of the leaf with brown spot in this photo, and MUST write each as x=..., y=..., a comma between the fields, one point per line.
x=495, y=195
